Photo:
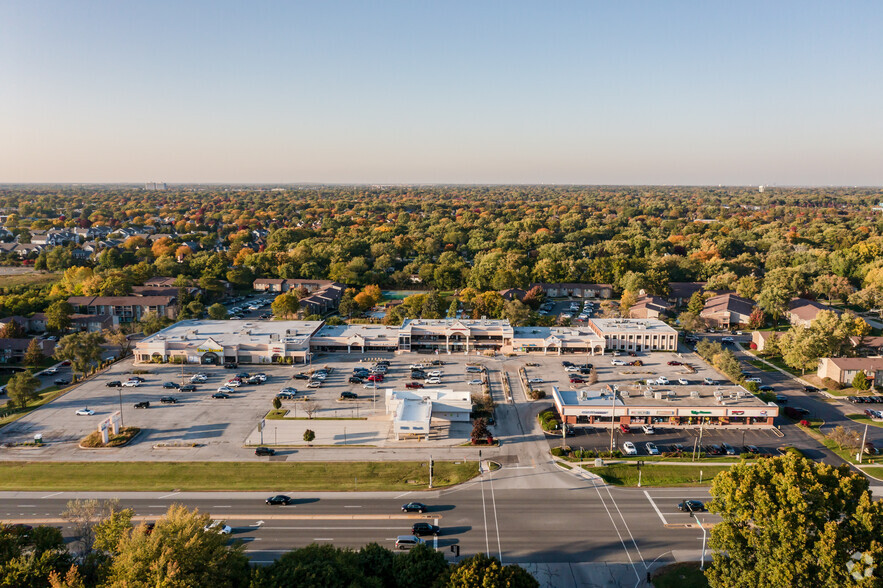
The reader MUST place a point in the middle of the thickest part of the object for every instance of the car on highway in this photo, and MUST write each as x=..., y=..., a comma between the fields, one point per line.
x=413, y=385
x=414, y=507
x=810, y=389
x=726, y=340
x=64, y=382
x=85, y=412
x=188, y=388
x=648, y=429
x=220, y=395
x=432, y=381
x=131, y=384
x=629, y=448
x=142, y=404
x=168, y=400
x=114, y=384
x=264, y=451
x=279, y=499
x=421, y=529
x=218, y=527
x=691, y=505
x=348, y=396
x=651, y=448
x=408, y=541
x=170, y=385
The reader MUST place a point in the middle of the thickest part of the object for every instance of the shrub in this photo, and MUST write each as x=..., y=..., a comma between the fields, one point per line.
x=831, y=384
x=537, y=394
x=559, y=451
x=746, y=455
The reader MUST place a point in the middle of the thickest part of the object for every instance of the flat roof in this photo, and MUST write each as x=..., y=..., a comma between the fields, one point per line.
x=235, y=332
x=620, y=325
x=414, y=410
x=563, y=333
x=366, y=331
x=631, y=396
x=477, y=324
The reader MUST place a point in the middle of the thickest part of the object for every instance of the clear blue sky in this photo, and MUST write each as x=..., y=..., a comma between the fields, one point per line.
x=665, y=92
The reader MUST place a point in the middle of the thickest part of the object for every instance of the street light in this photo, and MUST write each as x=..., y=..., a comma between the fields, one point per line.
x=701, y=526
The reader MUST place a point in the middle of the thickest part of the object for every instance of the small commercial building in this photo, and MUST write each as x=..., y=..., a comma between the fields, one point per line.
x=355, y=339
x=557, y=340
x=721, y=406
x=412, y=411
x=455, y=335
x=216, y=342
x=635, y=334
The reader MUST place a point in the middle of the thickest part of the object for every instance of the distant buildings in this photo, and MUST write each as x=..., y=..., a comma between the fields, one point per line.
x=161, y=186
x=844, y=369
x=576, y=290
x=126, y=309
x=324, y=295
x=726, y=310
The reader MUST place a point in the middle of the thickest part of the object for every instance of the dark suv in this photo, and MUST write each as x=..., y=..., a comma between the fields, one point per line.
x=264, y=451
x=142, y=404
x=348, y=396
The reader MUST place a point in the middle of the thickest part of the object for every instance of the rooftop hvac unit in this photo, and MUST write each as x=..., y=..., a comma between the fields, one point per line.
x=582, y=394
x=648, y=393
x=694, y=394
x=624, y=393
x=657, y=395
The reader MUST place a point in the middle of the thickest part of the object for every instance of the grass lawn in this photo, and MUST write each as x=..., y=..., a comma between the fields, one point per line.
x=680, y=575
x=655, y=475
x=217, y=476
x=46, y=395
x=761, y=365
x=30, y=279
x=280, y=415
x=877, y=472
x=864, y=419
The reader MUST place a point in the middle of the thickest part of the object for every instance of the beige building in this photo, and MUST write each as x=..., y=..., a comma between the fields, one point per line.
x=455, y=335
x=355, y=339
x=727, y=310
x=557, y=340
x=844, y=369
x=635, y=334
x=802, y=312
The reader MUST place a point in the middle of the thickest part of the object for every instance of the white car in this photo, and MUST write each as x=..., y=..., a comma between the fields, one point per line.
x=629, y=448
x=535, y=381
x=566, y=315
x=369, y=386
x=708, y=382
x=50, y=372
x=432, y=381
x=571, y=368
x=662, y=380
x=652, y=449
x=314, y=384
x=319, y=376
x=233, y=383
x=475, y=382
x=617, y=362
x=85, y=412
x=683, y=382
x=755, y=380
x=225, y=389
x=218, y=527
x=417, y=366
x=131, y=384
x=198, y=378
x=648, y=429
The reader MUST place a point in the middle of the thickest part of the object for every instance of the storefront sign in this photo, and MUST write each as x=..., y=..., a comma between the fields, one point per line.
x=695, y=412
x=595, y=412
x=277, y=349
x=651, y=412
x=209, y=350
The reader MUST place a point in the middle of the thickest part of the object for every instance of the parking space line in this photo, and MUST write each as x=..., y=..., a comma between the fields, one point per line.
x=656, y=508
x=51, y=495
x=169, y=495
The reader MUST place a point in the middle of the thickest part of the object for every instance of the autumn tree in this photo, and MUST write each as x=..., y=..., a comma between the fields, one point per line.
x=119, y=338
x=285, y=305
x=12, y=330
x=626, y=302
x=691, y=321
x=789, y=521
x=480, y=431
x=756, y=319
x=34, y=353
x=480, y=570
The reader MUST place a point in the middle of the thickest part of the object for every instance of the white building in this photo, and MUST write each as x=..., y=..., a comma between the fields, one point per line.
x=635, y=334
x=413, y=410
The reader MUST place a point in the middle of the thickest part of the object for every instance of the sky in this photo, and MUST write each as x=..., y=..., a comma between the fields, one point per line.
x=482, y=92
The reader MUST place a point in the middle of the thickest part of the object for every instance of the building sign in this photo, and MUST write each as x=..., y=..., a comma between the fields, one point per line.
x=595, y=412
x=702, y=412
x=277, y=349
x=209, y=350
x=651, y=412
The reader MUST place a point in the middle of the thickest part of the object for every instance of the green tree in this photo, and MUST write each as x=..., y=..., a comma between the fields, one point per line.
x=861, y=381
x=481, y=571
x=22, y=388
x=517, y=312
x=217, y=311
x=697, y=302
x=801, y=348
x=119, y=338
x=13, y=330
x=421, y=567
x=277, y=403
x=347, y=305
x=789, y=521
x=773, y=299
x=81, y=349
x=286, y=305
x=58, y=316
x=178, y=553
x=747, y=287
x=309, y=435
x=34, y=353
x=452, y=309
x=152, y=323
x=691, y=321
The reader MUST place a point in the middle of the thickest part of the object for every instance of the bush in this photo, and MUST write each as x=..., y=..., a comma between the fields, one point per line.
x=537, y=394
x=548, y=420
x=559, y=451
x=750, y=386
x=831, y=384
x=746, y=455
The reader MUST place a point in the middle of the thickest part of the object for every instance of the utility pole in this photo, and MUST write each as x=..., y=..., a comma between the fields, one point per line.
x=120, y=391
x=861, y=450
x=430, y=471
x=612, y=418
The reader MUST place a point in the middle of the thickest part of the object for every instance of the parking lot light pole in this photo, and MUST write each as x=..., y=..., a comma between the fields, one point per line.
x=120, y=392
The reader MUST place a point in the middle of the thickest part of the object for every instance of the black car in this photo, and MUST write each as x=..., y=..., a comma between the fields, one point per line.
x=170, y=385
x=220, y=395
x=138, y=379
x=62, y=382
x=714, y=450
x=810, y=389
x=300, y=377
x=168, y=400
x=230, y=366
x=114, y=384
x=142, y=404
x=752, y=449
x=691, y=505
x=421, y=529
x=243, y=375
x=279, y=499
x=766, y=388
x=264, y=451
x=414, y=507
x=585, y=371
x=567, y=363
x=348, y=395
x=355, y=380
x=781, y=398
x=188, y=388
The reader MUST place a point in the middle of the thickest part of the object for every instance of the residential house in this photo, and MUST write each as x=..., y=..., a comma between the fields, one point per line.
x=513, y=294
x=576, y=290
x=759, y=339
x=126, y=309
x=12, y=351
x=844, y=369
x=802, y=312
x=647, y=307
x=679, y=293
x=868, y=345
x=726, y=310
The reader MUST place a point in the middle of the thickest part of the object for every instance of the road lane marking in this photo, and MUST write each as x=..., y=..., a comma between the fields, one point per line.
x=353, y=506
x=51, y=495
x=222, y=506
x=168, y=495
x=249, y=517
x=624, y=522
x=484, y=512
x=26, y=506
x=323, y=539
x=496, y=522
x=615, y=528
x=656, y=508
x=401, y=495
x=435, y=537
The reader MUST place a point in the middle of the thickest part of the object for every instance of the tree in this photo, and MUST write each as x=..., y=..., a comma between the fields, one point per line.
x=517, y=312
x=13, y=330
x=81, y=349
x=789, y=521
x=452, y=309
x=756, y=319
x=861, y=381
x=690, y=321
x=843, y=437
x=152, y=323
x=119, y=338
x=747, y=287
x=627, y=301
x=34, y=353
x=309, y=435
x=348, y=305
x=217, y=311
x=534, y=297
x=480, y=570
x=801, y=348
x=773, y=300
x=22, y=388
x=421, y=567
x=277, y=403
x=363, y=300
x=480, y=431
x=178, y=553
x=285, y=305
x=85, y=516
x=697, y=302
x=831, y=286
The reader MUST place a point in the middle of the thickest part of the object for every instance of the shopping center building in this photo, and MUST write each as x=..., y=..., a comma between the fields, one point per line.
x=721, y=405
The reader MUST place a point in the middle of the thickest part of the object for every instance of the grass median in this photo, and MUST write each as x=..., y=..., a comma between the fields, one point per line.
x=864, y=420
x=658, y=475
x=243, y=476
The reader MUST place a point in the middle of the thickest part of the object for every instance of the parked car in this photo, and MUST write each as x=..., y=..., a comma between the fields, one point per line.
x=348, y=396
x=286, y=395
x=577, y=380
x=314, y=384
x=752, y=449
x=225, y=390
x=142, y=404
x=728, y=449
x=651, y=448
x=114, y=384
x=472, y=369
x=355, y=380
x=432, y=381
x=85, y=412
x=220, y=395
x=648, y=429
x=64, y=382
x=662, y=380
x=50, y=372
x=629, y=448
x=414, y=507
x=571, y=368
x=726, y=340
x=683, y=382
x=674, y=363
x=420, y=529
x=691, y=505
x=279, y=499
x=413, y=385
x=617, y=362
x=170, y=385
x=131, y=384
x=168, y=400
x=434, y=374
x=810, y=389
x=300, y=377
x=188, y=388
x=535, y=381
x=475, y=382
x=623, y=428
x=375, y=378
x=708, y=382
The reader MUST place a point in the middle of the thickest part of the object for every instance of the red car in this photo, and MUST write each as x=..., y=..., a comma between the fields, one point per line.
x=577, y=381
x=675, y=363
x=375, y=378
x=413, y=385
x=624, y=428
